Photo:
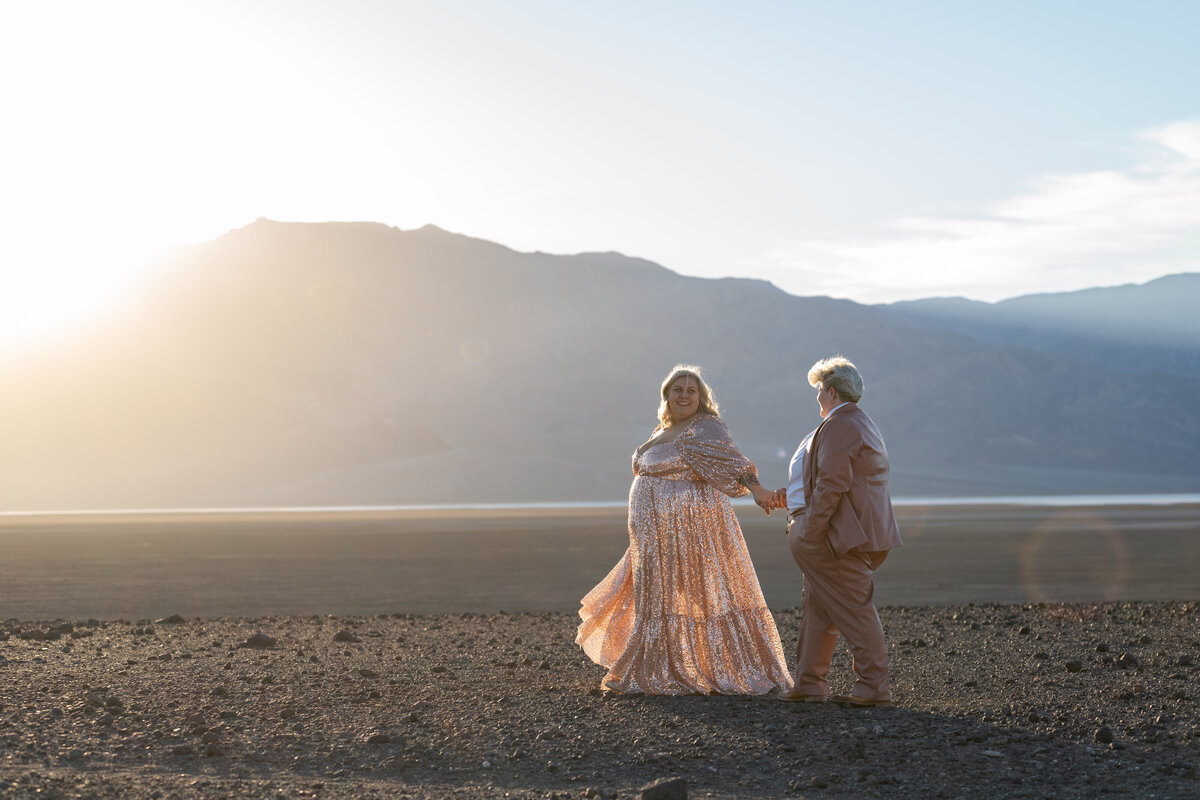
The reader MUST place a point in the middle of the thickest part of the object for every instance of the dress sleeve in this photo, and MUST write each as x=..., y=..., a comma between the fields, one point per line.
x=708, y=449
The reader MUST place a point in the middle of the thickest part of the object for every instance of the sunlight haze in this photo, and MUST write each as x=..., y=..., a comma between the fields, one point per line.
x=871, y=151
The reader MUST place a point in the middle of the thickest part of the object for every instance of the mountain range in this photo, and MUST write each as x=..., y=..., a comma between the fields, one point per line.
x=306, y=364
x=1140, y=329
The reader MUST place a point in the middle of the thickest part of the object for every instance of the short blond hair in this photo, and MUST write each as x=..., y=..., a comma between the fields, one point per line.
x=708, y=403
x=839, y=374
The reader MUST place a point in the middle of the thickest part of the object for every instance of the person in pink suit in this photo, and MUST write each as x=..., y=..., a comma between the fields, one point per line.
x=840, y=528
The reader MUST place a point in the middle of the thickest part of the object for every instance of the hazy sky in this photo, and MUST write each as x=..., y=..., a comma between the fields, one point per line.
x=871, y=150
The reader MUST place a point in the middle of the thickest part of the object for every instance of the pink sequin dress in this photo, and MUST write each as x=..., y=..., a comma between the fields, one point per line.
x=682, y=612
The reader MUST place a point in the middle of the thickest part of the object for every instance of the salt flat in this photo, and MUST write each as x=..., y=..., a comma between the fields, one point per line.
x=365, y=562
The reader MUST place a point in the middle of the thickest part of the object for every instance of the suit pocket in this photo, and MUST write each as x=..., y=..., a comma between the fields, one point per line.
x=845, y=530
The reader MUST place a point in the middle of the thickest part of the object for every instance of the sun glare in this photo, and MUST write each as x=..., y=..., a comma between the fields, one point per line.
x=49, y=295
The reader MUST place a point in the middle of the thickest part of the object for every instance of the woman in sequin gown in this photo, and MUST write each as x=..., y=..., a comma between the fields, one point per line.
x=682, y=612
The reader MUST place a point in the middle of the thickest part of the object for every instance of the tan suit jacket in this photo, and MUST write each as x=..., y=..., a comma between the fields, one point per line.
x=846, y=485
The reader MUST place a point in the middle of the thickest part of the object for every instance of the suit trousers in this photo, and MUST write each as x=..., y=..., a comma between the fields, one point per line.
x=838, y=597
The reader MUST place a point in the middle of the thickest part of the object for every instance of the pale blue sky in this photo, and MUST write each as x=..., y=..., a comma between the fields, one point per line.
x=871, y=150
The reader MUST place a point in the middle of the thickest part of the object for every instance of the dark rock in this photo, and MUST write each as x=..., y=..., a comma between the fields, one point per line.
x=213, y=750
x=1102, y=648
x=665, y=789
x=174, y=619
x=1074, y=666
x=182, y=750
x=378, y=738
x=1104, y=735
x=259, y=641
x=368, y=673
x=1184, y=661
x=1127, y=661
x=345, y=636
x=1025, y=630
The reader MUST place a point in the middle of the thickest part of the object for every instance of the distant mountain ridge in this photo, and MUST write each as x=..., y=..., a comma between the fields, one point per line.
x=1138, y=328
x=353, y=363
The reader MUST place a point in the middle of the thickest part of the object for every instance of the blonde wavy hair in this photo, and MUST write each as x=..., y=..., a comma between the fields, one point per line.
x=708, y=403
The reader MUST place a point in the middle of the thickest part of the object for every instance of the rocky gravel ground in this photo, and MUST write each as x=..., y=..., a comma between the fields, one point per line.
x=993, y=701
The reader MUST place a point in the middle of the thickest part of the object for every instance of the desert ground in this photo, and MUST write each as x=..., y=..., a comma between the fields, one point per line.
x=1035, y=652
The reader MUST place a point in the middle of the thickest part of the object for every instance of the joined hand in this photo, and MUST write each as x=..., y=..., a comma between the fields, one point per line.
x=770, y=500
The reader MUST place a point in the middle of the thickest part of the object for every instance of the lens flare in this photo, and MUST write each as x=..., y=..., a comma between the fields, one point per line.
x=1074, y=556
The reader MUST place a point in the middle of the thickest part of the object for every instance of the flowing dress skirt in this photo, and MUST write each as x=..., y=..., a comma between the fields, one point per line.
x=682, y=612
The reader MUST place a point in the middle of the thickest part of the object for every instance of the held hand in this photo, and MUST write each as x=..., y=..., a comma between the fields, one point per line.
x=764, y=499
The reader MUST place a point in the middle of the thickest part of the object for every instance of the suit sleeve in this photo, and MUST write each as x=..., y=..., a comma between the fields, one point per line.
x=836, y=447
x=708, y=449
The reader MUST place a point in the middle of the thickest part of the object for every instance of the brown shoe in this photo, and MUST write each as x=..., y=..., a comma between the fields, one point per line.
x=859, y=702
x=794, y=696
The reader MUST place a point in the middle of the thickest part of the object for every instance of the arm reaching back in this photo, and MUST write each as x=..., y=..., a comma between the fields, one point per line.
x=708, y=448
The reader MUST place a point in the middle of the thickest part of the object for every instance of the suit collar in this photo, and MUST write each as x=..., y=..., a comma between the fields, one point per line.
x=810, y=466
x=843, y=408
